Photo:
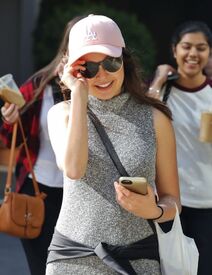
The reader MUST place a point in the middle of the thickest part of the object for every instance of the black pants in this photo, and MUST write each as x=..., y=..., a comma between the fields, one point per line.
x=36, y=249
x=197, y=224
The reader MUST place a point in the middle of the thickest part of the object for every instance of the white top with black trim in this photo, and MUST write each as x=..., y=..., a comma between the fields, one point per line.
x=194, y=157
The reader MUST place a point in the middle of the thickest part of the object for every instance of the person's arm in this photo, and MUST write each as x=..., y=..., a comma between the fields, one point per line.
x=67, y=124
x=160, y=78
x=10, y=113
x=167, y=183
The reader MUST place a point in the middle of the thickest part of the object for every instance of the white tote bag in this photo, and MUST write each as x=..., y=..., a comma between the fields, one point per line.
x=178, y=253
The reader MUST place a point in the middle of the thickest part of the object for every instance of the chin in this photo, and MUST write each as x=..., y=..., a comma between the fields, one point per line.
x=105, y=95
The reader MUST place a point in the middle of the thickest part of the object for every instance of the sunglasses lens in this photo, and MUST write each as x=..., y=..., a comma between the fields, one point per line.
x=112, y=64
x=91, y=69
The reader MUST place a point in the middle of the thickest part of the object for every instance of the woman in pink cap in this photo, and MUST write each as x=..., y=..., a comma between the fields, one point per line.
x=103, y=228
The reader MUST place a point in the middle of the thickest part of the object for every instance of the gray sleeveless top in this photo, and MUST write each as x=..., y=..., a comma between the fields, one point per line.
x=89, y=212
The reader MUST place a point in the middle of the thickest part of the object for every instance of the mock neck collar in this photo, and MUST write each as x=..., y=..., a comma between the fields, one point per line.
x=114, y=104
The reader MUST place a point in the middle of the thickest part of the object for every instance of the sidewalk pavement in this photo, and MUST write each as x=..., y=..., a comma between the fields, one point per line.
x=12, y=257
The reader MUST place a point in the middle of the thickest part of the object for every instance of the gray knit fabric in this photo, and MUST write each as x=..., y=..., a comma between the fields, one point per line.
x=89, y=212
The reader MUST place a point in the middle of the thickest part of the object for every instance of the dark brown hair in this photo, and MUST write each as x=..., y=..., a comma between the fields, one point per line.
x=134, y=84
x=191, y=27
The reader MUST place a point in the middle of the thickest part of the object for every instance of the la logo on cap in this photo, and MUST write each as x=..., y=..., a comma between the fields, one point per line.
x=90, y=36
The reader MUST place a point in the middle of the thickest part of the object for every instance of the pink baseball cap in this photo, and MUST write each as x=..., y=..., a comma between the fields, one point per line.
x=95, y=34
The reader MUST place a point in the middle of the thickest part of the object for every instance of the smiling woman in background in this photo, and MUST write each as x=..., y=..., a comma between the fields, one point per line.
x=191, y=95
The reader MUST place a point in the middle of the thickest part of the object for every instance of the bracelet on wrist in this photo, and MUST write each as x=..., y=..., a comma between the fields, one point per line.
x=162, y=212
x=154, y=90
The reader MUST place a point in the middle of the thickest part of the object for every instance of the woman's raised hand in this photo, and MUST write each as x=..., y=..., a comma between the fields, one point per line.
x=71, y=76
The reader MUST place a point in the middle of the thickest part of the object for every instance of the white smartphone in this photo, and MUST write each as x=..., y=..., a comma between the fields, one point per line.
x=135, y=184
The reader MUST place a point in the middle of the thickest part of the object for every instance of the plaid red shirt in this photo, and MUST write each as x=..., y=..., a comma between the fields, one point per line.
x=31, y=121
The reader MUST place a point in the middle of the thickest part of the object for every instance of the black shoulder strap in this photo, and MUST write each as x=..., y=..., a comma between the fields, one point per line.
x=107, y=143
x=111, y=151
x=167, y=91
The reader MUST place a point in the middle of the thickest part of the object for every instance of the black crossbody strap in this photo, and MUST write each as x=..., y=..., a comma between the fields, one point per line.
x=111, y=151
x=167, y=91
x=107, y=143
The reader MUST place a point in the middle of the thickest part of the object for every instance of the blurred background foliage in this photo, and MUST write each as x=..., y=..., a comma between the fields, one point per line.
x=55, y=14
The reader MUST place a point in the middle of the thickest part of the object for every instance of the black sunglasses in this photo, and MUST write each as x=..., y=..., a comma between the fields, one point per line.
x=110, y=64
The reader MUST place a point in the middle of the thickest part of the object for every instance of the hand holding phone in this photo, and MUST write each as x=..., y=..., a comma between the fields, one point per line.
x=134, y=184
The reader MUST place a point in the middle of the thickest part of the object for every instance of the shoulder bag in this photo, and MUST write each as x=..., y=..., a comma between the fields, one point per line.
x=21, y=215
